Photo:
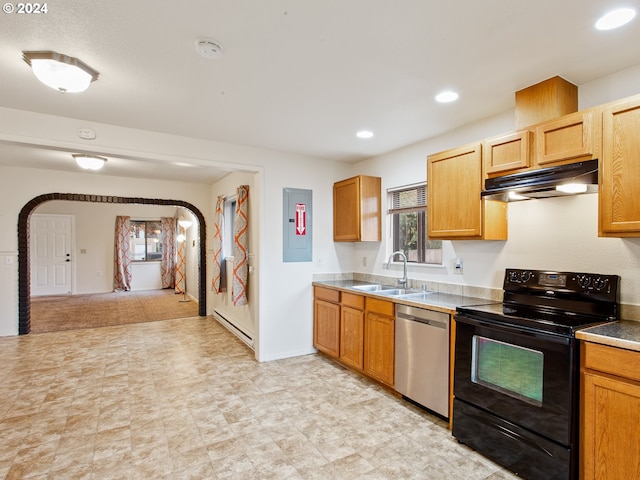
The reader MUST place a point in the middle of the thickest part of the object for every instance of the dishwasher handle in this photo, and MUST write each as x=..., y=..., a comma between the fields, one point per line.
x=426, y=321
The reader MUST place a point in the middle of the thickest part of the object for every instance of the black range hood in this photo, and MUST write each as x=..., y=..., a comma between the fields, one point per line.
x=542, y=183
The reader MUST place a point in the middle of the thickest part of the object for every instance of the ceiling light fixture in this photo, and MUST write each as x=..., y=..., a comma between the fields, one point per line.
x=615, y=18
x=364, y=134
x=184, y=223
x=60, y=72
x=89, y=162
x=446, y=97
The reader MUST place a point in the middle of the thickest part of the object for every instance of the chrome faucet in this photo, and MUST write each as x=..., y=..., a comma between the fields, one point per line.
x=402, y=281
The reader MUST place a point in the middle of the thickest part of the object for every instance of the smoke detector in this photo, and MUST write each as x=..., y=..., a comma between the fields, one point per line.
x=208, y=48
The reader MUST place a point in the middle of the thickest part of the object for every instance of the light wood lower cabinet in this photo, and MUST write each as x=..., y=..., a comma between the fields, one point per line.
x=352, y=330
x=326, y=321
x=379, y=340
x=358, y=331
x=610, y=413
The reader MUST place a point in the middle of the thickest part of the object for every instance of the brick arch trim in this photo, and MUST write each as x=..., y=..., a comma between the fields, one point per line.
x=24, y=267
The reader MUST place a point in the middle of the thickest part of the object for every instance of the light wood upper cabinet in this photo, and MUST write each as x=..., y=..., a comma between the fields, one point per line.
x=455, y=209
x=508, y=153
x=619, y=205
x=568, y=139
x=357, y=207
x=610, y=421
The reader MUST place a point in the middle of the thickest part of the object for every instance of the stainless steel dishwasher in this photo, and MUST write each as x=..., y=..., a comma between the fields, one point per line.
x=422, y=357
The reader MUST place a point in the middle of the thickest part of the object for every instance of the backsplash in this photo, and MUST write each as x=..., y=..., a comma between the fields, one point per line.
x=441, y=287
x=627, y=312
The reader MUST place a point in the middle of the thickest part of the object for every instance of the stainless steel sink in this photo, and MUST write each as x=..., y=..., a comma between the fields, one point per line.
x=421, y=295
x=398, y=292
x=373, y=288
x=388, y=290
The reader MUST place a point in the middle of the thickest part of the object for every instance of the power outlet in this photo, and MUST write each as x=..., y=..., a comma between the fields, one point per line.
x=364, y=261
x=457, y=266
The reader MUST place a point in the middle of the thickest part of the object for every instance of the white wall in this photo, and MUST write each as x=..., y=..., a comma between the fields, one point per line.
x=94, y=237
x=19, y=185
x=285, y=295
x=559, y=233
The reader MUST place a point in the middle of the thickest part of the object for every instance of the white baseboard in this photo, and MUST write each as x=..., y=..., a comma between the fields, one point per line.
x=230, y=325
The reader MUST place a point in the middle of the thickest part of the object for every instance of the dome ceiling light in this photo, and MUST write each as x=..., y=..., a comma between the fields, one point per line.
x=60, y=72
x=89, y=162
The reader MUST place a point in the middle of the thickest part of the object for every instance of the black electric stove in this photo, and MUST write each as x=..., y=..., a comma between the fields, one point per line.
x=557, y=302
x=516, y=373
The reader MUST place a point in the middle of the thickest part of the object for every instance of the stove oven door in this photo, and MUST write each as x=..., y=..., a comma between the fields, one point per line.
x=523, y=377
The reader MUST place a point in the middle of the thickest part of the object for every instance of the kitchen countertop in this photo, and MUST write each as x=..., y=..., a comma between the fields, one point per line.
x=438, y=301
x=622, y=334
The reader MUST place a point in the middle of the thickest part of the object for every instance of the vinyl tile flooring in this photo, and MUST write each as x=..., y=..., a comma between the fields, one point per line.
x=185, y=399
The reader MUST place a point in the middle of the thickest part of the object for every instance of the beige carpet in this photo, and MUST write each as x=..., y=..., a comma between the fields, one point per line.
x=70, y=312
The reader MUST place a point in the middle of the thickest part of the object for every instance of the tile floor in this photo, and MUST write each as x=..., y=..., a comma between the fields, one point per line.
x=184, y=399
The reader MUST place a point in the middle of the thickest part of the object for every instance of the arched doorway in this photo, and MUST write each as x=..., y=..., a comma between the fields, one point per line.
x=24, y=270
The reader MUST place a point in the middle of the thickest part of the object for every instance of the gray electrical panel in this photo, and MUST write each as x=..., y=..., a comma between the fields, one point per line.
x=297, y=225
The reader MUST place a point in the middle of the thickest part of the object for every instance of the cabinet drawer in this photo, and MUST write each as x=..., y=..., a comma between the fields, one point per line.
x=380, y=306
x=353, y=300
x=327, y=294
x=616, y=361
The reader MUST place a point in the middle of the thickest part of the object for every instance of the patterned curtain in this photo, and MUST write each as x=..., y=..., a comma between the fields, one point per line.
x=181, y=267
x=168, y=265
x=241, y=247
x=122, y=255
x=219, y=282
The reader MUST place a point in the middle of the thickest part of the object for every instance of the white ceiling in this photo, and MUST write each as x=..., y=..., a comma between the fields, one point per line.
x=302, y=75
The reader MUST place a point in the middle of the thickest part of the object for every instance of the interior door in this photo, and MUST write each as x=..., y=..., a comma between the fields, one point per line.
x=51, y=254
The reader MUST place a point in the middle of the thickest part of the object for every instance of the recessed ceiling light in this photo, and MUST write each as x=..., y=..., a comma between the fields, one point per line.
x=446, y=97
x=364, y=134
x=615, y=18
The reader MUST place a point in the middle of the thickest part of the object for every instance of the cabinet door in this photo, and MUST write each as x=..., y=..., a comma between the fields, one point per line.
x=379, y=347
x=568, y=139
x=454, y=182
x=357, y=204
x=352, y=337
x=326, y=327
x=346, y=210
x=507, y=153
x=610, y=425
x=620, y=170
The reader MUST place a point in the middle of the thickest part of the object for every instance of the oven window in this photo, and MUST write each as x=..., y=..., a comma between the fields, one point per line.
x=507, y=368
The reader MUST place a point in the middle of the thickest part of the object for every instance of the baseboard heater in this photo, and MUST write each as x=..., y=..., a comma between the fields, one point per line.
x=229, y=325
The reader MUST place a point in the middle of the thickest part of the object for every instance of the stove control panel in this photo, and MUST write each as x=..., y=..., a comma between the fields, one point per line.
x=562, y=283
